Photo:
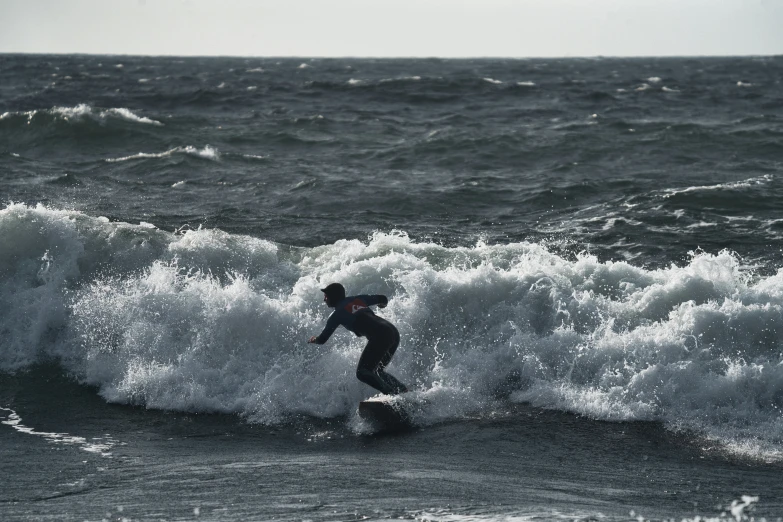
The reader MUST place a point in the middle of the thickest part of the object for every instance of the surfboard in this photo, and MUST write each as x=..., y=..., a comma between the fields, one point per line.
x=385, y=415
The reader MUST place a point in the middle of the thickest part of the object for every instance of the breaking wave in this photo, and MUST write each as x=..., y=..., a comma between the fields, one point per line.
x=208, y=321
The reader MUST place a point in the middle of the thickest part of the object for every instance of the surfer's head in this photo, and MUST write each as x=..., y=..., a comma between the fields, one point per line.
x=333, y=294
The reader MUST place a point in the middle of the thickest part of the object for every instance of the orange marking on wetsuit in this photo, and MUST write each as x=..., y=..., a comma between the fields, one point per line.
x=355, y=305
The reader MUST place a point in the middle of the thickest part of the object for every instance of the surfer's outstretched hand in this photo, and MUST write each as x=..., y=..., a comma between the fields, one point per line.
x=312, y=339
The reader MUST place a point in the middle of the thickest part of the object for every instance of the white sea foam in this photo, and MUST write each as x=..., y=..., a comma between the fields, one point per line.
x=210, y=321
x=100, y=445
x=492, y=80
x=208, y=152
x=255, y=70
x=743, y=84
x=527, y=84
x=82, y=111
x=401, y=79
x=669, y=89
x=654, y=79
x=735, y=185
x=128, y=115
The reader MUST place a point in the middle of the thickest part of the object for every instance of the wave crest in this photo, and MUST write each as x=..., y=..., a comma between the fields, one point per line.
x=207, y=152
x=74, y=114
x=211, y=321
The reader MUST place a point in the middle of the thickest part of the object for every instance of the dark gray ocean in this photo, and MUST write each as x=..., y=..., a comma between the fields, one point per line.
x=583, y=258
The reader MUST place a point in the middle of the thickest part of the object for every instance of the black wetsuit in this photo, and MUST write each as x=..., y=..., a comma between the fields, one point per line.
x=354, y=313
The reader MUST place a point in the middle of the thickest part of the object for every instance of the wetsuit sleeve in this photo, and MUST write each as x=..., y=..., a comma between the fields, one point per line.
x=375, y=299
x=331, y=325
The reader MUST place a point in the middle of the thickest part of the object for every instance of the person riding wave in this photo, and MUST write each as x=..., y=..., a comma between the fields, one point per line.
x=354, y=313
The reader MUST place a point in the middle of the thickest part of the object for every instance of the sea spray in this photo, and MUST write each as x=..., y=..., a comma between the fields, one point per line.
x=208, y=321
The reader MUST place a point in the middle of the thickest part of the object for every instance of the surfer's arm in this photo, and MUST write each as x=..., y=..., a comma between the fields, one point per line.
x=380, y=300
x=331, y=325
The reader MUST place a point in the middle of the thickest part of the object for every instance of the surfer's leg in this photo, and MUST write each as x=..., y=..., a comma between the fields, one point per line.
x=375, y=357
x=395, y=342
x=392, y=383
x=390, y=379
x=368, y=368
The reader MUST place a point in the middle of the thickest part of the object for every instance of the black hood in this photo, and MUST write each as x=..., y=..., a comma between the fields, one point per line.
x=335, y=292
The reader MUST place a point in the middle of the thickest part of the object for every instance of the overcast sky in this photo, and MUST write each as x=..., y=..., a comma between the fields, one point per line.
x=444, y=28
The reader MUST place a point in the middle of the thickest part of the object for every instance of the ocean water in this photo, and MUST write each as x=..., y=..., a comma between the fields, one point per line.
x=583, y=258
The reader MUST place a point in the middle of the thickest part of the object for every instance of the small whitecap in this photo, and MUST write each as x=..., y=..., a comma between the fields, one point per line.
x=256, y=70
x=119, y=66
x=252, y=88
x=207, y=152
x=527, y=84
x=70, y=112
x=178, y=184
x=354, y=81
x=303, y=66
x=654, y=79
x=668, y=89
x=126, y=114
x=400, y=79
x=643, y=87
x=15, y=155
x=743, y=84
x=492, y=80
x=621, y=90
x=143, y=80
x=222, y=84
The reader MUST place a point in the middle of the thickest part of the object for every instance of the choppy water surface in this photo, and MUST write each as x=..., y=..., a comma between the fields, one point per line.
x=595, y=237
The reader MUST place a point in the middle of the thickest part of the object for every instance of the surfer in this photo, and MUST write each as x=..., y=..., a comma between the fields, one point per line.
x=354, y=313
